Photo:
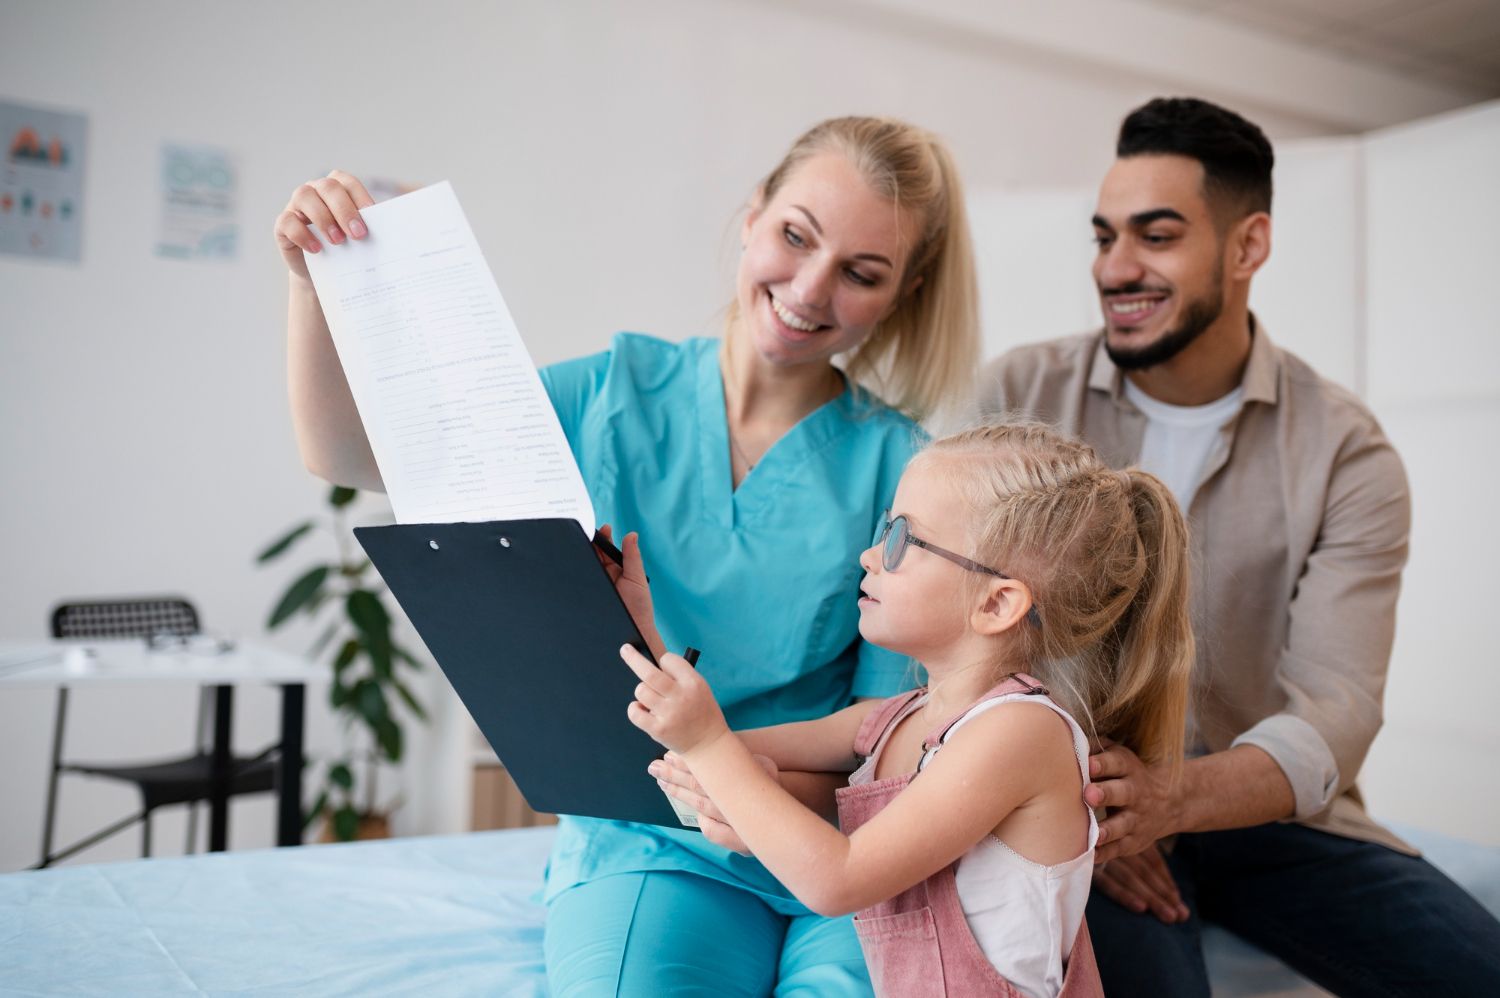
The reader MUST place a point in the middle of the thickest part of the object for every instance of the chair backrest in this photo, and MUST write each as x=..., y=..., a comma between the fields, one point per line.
x=125, y=618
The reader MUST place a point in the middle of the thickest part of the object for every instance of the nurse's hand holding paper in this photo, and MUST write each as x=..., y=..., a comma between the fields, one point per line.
x=457, y=419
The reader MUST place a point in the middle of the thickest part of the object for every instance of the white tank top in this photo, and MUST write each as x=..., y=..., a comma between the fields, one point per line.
x=1024, y=915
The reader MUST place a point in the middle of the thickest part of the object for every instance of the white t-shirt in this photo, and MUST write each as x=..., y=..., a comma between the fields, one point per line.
x=1180, y=439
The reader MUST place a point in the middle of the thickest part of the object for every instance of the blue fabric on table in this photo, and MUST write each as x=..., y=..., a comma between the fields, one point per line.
x=451, y=915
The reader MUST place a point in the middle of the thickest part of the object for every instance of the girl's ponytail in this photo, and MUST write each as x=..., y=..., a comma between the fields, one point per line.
x=1148, y=705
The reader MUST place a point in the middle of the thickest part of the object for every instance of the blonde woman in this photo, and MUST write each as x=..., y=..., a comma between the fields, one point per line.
x=758, y=467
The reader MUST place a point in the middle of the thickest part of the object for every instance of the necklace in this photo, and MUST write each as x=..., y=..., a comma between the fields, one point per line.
x=734, y=445
x=740, y=451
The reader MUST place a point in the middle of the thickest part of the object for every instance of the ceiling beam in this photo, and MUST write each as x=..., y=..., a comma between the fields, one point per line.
x=1194, y=51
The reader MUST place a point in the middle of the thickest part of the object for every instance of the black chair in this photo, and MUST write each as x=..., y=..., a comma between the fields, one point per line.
x=188, y=779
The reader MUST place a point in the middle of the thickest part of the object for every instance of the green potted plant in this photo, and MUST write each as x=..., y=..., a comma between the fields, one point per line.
x=348, y=596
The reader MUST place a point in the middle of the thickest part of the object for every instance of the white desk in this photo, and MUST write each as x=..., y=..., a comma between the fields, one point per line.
x=95, y=662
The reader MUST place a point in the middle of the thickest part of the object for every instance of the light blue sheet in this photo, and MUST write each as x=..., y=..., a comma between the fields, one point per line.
x=453, y=915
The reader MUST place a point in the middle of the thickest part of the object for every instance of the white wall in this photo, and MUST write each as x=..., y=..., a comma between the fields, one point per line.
x=601, y=151
x=1433, y=208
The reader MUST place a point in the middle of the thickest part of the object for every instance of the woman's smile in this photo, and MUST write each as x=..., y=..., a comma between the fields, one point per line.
x=792, y=319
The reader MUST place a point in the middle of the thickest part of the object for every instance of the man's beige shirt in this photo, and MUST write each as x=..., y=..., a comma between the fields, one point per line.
x=1299, y=534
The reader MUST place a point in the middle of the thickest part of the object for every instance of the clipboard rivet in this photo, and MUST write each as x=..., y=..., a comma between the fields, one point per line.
x=433, y=545
x=505, y=542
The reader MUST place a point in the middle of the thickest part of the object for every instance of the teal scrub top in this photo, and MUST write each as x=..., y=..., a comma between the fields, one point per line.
x=764, y=579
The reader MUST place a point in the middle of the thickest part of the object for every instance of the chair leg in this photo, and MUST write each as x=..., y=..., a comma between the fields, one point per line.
x=97, y=837
x=192, y=829
x=146, y=835
x=48, y=822
x=200, y=744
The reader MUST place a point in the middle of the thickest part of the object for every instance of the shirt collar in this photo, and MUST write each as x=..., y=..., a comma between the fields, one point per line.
x=1260, y=380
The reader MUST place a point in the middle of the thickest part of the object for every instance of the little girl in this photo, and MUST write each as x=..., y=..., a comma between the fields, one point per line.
x=1045, y=589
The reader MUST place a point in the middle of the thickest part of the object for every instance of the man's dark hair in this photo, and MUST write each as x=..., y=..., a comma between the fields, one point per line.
x=1236, y=156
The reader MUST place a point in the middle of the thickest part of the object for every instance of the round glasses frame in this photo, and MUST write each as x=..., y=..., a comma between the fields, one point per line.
x=894, y=536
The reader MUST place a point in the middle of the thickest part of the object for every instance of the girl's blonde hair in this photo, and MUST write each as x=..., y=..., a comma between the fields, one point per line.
x=923, y=356
x=1105, y=555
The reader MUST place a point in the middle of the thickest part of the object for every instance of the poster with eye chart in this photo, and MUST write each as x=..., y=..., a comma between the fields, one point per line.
x=456, y=414
x=198, y=222
x=41, y=182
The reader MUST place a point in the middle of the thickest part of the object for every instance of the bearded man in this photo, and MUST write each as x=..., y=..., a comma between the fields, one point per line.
x=1299, y=511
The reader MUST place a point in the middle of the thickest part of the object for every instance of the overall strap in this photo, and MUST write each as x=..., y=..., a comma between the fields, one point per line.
x=878, y=721
x=1016, y=682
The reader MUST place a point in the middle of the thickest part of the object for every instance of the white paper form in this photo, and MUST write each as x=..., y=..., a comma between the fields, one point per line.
x=460, y=424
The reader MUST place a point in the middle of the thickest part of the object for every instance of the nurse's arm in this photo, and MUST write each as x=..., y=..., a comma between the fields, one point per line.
x=330, y=435
x=815, y=791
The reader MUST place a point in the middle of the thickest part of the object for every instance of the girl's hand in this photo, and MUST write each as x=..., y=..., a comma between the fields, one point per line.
x=635, y=592
x=331, y=205
x=675, y=777
x=673, y=704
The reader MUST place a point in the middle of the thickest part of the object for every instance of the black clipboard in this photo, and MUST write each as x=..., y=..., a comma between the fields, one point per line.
x=526, y=625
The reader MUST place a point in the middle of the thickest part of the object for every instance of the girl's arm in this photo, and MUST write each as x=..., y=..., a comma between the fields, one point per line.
x=986, y=771
x=814, y=789
x=822, y=745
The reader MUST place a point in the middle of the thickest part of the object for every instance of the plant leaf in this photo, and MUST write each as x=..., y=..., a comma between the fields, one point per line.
x=369, y=700
x=368, y=613
x=380, y=657
x=345, y=824
x=338, y=694
x=411, y=701
x=340, y=775
x=370, y=618
x=300, y=592
x=345, y=656
x=341, y=496
x=284, y=543
x=319, y=806
x=409, y=659
x=388, y=734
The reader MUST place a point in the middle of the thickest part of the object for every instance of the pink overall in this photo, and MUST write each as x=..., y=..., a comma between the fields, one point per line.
x=918, y=944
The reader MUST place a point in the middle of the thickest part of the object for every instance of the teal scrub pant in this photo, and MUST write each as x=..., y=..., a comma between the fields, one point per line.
x=671, y=933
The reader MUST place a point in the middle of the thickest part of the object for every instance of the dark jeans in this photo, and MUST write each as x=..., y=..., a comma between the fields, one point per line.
x=1354, y=917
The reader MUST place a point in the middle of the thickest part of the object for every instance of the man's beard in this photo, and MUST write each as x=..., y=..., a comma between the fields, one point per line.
x=1198, y=316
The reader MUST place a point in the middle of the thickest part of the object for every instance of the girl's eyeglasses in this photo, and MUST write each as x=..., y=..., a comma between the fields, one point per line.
x=894, y=536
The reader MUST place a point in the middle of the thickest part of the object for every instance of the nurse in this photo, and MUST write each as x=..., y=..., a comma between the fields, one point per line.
x=756, y=468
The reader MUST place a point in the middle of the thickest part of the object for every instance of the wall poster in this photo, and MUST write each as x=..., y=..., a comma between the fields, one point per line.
x=41, y=182
x=198, y=191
